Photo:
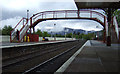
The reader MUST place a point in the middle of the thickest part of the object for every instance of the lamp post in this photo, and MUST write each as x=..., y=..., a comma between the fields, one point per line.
x=97, y=33
x=27, y=20
x=55, y=33
x=65, y=33
x=51, y=34
x=27, y=14
x=72, y=34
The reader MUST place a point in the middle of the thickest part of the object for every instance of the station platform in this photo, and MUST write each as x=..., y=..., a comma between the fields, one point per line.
x=93, y=56
x=8, y=44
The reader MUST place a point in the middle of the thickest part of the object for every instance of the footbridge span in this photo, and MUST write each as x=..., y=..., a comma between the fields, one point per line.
x=30, y=23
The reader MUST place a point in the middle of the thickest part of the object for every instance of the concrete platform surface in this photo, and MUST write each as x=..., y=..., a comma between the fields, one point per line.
x=8, y=44
x=95, y=56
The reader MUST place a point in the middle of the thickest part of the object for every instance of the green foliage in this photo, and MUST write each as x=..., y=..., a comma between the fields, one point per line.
x=77, y=36
x=88, y=36
x=6, y=30
x=42, y=34
x=115, y=13
x=59, y=35
x=0, y=32
x=81, y=36
x=118, y=17
x=69, y=35
x=45, y=34
x=39, y=32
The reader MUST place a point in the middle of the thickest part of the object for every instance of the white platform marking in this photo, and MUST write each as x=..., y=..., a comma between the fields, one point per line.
x=68, y=62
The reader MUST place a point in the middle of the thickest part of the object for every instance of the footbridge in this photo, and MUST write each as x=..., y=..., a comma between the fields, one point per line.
x=26, y=24
x=67, y=14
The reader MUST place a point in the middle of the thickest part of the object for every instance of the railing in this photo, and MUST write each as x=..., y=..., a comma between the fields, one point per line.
x=23, y=31
x=13, y=32
x=21, y=24
x=67, y=14
x=116, y=26
x=56, y=15
x=85, y=14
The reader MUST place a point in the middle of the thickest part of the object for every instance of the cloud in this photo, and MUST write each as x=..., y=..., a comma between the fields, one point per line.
x=60, y=24
x=75, y=24
x=84, y=24
x=20, y=4
x=14, y=10
x=11, y=21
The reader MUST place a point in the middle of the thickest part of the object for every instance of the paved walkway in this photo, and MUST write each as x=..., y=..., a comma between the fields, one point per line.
x=8, y=44
x=94, y=56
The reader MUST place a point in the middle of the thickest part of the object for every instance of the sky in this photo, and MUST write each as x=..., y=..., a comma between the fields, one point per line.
x=13, y=10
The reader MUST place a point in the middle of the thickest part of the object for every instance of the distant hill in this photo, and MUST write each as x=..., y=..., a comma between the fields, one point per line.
x=75, y=31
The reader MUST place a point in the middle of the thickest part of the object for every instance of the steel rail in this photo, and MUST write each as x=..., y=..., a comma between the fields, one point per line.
x=28, y=58
x=47, y=61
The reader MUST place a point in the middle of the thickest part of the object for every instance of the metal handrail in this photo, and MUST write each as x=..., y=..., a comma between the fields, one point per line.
x=13, y=32
x=62, y=11
x=58, y=14
x=54, y=14
x=23, y=31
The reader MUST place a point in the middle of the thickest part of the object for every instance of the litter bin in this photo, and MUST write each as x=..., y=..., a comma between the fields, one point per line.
x=25, y=38
x=28, y=39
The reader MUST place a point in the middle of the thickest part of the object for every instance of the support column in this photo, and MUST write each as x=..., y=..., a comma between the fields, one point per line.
x=78, y=13
x=65, y=35
x=109, y=22
x=119, y=37
x=31, y=21
x=30, y=30
x=72, y=34
x=104, y=35
x=104, y=31
x=90, y=14
x=33, y=29
x=98, y=35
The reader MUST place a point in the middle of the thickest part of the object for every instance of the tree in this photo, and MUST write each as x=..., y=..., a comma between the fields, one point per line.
x=77, y=36
x=0, y=32
x=6, y=30
x=80, y=35
x=87, y=36
x=59, y=35
x=117, y=14
x=114, y=12
x=42, y=34
x=45, y=34
x=39, y=32
x=69, y=35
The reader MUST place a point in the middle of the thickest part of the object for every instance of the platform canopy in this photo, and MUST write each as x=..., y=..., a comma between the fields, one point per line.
x=100, y=4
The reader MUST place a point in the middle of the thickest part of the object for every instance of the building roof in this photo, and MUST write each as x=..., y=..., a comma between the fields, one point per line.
x=99, y=4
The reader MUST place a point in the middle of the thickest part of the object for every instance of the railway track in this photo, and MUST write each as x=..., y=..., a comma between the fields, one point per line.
x=13, y=60
x=39, y=60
